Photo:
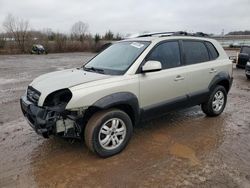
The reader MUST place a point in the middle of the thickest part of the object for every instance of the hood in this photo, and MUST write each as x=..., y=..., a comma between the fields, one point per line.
x=54, y=81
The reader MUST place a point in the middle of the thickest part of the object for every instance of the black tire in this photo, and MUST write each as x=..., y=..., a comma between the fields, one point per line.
x=94, y=126
x=207, y=107
x=248, y=77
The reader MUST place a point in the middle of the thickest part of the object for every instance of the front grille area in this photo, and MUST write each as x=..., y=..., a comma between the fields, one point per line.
x=33, y=95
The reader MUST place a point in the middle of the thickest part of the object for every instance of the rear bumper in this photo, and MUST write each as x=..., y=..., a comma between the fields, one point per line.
x=37, y=117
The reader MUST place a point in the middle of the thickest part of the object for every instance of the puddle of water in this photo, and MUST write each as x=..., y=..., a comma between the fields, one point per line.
x=20, y=78
x=60, y=68
x=6, y=81
x=183, y=151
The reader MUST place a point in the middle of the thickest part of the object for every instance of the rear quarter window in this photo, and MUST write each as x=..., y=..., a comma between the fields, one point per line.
x=212, y=51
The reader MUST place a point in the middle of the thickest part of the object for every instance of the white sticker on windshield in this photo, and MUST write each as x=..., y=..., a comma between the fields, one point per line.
x=137, y=44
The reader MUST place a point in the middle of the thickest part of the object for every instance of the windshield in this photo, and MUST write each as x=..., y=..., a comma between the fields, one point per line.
x=116, y=59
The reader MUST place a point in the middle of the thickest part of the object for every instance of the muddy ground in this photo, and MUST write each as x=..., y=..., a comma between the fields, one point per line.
x=183, y=148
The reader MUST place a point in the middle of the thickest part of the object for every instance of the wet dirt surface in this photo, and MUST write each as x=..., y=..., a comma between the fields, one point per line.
x=181, y=149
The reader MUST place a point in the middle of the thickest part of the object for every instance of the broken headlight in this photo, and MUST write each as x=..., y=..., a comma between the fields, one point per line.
x=33, y=95
x=58, y=98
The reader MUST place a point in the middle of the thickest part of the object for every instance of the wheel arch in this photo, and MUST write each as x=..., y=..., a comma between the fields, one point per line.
x=125, y=101
x=222, y=79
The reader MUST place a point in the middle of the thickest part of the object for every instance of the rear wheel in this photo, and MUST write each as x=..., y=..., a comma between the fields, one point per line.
x=108, y=132
x=248, y=77
x=216, y=102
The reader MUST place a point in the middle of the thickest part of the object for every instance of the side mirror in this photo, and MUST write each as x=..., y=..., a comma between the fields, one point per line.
x=151, y=66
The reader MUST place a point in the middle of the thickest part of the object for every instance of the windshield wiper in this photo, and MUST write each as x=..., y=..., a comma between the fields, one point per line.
x=93, y=69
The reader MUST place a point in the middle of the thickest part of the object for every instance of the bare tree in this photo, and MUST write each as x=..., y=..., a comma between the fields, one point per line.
x=109, y=35
x=97, y=38
x=2, y=40
x=60, y=42
x=18, y=29
x=79, y=30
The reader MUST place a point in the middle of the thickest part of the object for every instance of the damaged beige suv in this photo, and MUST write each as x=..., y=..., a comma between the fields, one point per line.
x=130, y=81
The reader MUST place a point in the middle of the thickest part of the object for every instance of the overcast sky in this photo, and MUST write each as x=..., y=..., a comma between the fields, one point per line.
x=132, y=16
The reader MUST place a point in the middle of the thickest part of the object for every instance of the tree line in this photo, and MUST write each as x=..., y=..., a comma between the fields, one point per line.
x=239, y=33
x=19, y=38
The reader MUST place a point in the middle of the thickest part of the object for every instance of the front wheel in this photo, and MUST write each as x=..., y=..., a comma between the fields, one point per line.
x=216, y=102
x=108, y=132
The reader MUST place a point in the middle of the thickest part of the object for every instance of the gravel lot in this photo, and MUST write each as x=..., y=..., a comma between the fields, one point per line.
x=183, y=148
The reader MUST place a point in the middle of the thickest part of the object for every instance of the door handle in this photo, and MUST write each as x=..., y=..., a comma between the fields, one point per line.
x=179, y=77
x=212, y=70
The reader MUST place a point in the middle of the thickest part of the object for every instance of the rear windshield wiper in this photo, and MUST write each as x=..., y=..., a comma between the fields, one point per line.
x=93, y=69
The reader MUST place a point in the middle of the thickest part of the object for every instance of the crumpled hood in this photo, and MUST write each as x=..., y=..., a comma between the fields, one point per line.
x=54, y=81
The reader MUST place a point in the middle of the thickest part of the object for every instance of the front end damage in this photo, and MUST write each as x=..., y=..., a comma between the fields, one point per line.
x=52, y=118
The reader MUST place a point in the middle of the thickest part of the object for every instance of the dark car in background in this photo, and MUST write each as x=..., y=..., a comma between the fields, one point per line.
x=248, y=70
x=38, y=49
x=243, y=57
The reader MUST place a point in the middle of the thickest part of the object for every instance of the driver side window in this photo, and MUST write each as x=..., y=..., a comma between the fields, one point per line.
x=167, y=53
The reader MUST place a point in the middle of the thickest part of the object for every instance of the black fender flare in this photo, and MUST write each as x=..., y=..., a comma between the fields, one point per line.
x=119, y=99
x=220, y=77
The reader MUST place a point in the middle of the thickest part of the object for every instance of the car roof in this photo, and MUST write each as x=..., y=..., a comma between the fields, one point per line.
x=163, y=38
x=244, y=46
x=166, y=35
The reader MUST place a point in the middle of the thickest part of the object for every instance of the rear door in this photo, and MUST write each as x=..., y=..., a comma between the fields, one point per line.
x=200, y=60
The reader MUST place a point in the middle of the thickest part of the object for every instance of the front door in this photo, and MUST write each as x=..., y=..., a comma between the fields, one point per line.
x=169, y=84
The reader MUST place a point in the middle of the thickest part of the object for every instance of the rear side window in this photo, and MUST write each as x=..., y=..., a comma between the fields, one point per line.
x=212, y=51
x=245, y=50
x=167, y=53
x=195, y=52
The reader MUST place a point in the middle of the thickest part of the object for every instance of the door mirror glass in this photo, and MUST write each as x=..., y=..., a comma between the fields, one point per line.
x=151, y=66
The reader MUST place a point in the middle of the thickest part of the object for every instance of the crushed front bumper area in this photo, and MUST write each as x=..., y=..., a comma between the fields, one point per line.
x=49, y=121
x=36, y=117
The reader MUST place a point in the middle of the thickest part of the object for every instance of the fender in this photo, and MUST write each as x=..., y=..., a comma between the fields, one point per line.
x=121, y=98
x=221, y=77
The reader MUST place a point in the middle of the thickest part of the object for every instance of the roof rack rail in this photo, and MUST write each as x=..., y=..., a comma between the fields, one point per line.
x=201, y=34
x=155, y=34
x=176, y=33
x=181, y=33
x=197, y=34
